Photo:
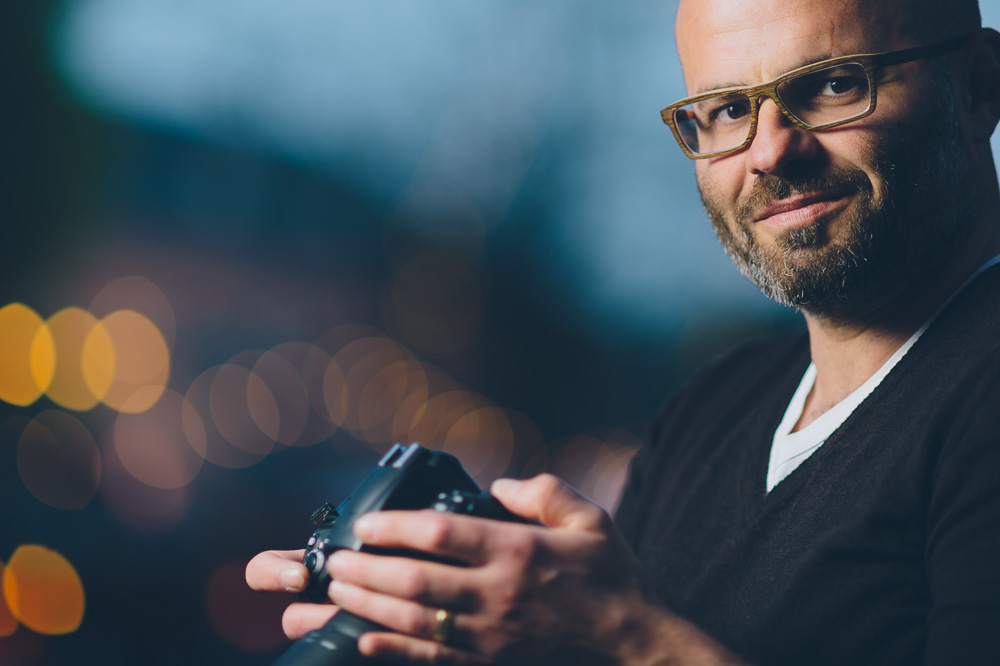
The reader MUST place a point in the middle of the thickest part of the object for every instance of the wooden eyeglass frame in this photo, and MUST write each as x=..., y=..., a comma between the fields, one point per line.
x=869, y=61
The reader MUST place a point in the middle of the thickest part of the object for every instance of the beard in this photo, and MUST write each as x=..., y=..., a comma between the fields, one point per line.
x=892, y=235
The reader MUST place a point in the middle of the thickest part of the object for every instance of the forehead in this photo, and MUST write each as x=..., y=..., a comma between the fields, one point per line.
x=745, y=42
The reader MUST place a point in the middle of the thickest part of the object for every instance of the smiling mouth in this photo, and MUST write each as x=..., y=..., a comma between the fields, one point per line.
x=803, y=208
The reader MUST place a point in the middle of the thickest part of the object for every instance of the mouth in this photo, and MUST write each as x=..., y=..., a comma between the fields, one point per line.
x=802, y=209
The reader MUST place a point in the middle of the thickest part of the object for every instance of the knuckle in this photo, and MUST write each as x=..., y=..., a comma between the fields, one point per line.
x=413, y=620
x=438, y=532
x=411, y=581
x=548, y=484
x=521, y=547
x=435, y=653
x=507, y=601
x=595, y=518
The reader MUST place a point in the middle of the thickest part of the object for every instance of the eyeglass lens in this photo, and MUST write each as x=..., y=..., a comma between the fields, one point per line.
x=723, y=122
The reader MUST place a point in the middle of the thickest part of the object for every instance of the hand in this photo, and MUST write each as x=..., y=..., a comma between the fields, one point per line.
x=568, y=592
x=282, y=571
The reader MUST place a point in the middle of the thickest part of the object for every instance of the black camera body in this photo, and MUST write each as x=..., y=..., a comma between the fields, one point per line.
x=407, y=477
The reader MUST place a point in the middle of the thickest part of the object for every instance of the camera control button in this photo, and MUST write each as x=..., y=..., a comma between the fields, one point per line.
x=314, y=561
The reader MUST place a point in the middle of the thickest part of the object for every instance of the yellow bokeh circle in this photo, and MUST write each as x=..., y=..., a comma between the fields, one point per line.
x=135, y=374
x=85, y=359
x=27, y=355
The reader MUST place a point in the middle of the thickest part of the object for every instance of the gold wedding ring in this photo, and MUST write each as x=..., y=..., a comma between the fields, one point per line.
x=442, y=626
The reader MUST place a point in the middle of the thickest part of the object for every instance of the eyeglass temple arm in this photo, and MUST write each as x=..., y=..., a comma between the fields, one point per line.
x=909, y=55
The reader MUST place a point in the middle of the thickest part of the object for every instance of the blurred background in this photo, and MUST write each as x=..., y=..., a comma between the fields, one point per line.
x=249, y=245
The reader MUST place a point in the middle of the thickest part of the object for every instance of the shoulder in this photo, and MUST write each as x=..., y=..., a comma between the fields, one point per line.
x=740, y=378
x=753, y=382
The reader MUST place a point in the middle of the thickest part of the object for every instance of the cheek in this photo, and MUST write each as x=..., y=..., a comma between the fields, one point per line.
x=722, y=182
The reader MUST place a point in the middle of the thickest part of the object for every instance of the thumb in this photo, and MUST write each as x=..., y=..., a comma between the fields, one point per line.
x=551, y=502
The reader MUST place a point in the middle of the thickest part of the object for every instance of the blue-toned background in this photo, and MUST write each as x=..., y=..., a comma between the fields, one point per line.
x=308, y=229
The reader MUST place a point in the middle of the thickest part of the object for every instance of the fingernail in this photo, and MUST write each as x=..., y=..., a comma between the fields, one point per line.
x=504, y=486
x=335, y=588
x=292, y=579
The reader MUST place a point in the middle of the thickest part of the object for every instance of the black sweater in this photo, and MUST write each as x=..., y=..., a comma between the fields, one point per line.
x=882, y=548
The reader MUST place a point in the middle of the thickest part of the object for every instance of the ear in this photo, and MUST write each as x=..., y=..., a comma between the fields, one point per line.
x=981, y=79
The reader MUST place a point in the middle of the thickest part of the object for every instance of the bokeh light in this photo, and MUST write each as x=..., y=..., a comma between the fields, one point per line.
x=43, y=590
x=8, y=623
x=606, y=478
x=244, y=409
x=435, y=418
x=414, y=405
x=242, y=617
x=141, y=362
x=58, y=460
x=27, y=355
x=312, y=364
x=291, y=398
x=230, y=408
x=134, y=292
x=134, y=503
x=85, y=359
x=154, y=446
x=483, y=440
x=595, y=464
x=79, y=361
x=360, y=362
x=527, y=437
x=575, y=456
x=383, y=395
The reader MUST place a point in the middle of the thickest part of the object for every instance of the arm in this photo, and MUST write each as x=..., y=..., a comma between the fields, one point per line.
x=569, y=591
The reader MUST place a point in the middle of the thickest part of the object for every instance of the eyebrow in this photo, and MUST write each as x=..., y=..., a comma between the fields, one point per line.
x=805, y=63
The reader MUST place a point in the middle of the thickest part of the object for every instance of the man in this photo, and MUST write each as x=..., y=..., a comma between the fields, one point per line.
x=830, y=499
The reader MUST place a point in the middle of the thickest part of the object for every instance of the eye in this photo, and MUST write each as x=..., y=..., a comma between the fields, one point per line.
x=841, y=85
x=735, y=111
x=729, y=110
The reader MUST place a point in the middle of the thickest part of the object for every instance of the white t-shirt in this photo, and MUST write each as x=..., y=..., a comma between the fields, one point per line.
x=789, y=449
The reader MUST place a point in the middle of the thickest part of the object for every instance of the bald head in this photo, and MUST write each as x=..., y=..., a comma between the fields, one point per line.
x=921, y=20
x=762, y=33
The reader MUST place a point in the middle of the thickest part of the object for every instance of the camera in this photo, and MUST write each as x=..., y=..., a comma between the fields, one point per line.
x=407, y=477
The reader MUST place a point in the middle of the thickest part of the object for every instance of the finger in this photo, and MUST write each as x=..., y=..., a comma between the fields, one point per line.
x=277, y=571
x=399, y=649
x=301, y=618
x=551, y=502
x=462, y=538
x=427, y=583
x=400, y=615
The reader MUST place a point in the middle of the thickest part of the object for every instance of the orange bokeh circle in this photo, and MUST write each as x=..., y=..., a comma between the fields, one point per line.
x=43, y=590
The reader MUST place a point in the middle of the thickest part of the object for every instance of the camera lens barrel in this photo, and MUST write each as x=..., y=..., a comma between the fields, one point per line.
x=334, y=644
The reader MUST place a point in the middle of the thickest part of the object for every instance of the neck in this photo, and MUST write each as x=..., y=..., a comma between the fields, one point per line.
x=848, y=350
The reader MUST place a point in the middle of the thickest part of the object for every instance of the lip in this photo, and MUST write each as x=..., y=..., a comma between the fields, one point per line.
x=802, y=208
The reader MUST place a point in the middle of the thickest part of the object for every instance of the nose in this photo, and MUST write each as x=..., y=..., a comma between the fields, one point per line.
x=778, y=143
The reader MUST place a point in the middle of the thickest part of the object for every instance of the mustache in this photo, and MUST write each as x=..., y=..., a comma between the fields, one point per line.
x=769, y=188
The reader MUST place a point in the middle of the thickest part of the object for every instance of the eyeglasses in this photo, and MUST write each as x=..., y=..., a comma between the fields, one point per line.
x=820, y=96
